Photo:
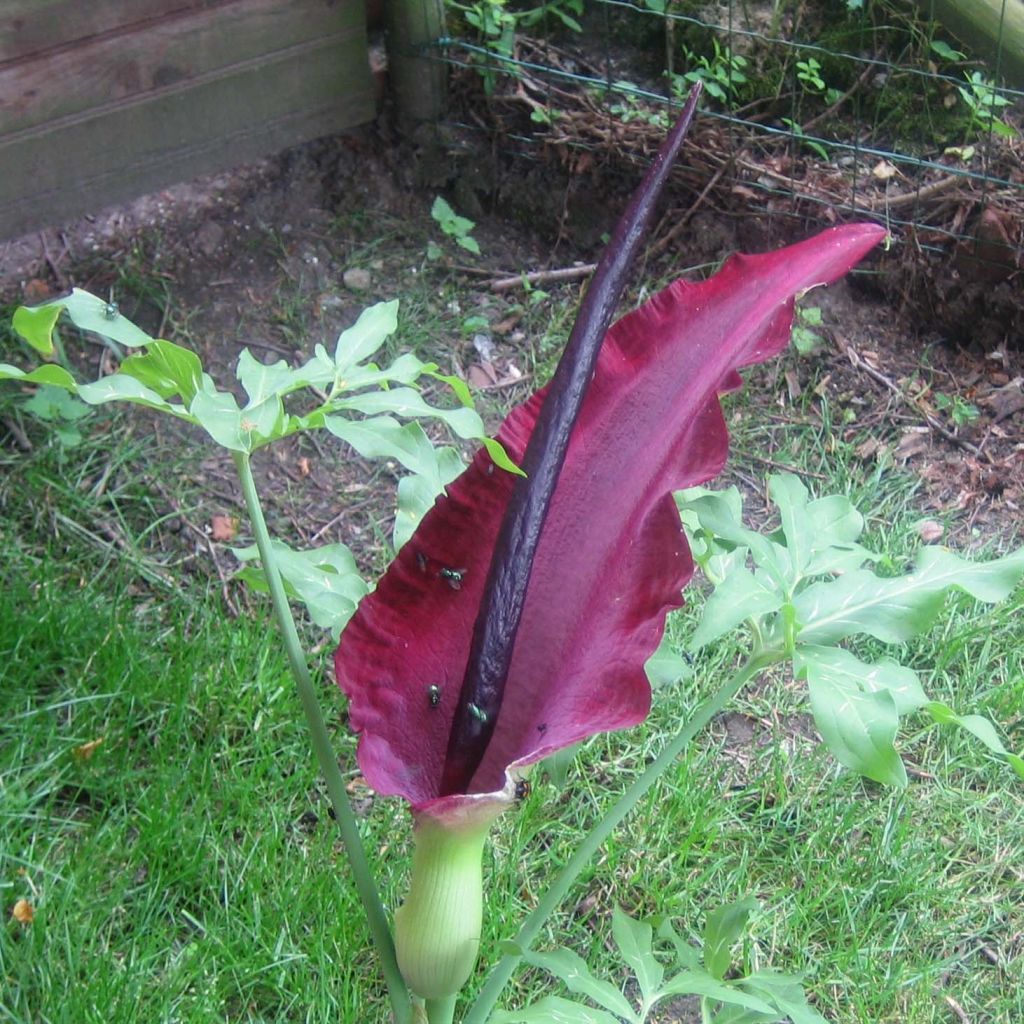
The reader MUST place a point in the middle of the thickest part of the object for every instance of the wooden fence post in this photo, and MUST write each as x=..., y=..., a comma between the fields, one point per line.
x=418, y=78
x=988, y=25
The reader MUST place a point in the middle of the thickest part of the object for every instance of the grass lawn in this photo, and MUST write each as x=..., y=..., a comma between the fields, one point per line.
x=162, y=815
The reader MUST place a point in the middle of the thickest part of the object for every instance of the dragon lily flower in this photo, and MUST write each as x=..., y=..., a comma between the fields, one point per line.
x=611, y=563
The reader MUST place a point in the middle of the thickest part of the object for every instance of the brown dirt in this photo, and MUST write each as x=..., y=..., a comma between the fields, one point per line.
x=258, y=258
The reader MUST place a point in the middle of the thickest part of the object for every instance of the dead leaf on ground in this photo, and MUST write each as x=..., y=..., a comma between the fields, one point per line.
x=482, y=375
x=358, y=787
x=1005, y=401
x=86, y=750
x=866, y=449
x=23, y=912
x=223, y=528
x=930, y=531
x=304, y=467
x=502, y=327
x=37, y=290
x=913, y=442
x=883, y=170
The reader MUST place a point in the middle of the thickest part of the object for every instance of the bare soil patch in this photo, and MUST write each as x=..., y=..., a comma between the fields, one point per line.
x=263, y=258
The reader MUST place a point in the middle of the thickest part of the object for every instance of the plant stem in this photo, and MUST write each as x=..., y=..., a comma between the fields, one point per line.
x=559, y=888
x=321, y=742
x=441, y=1011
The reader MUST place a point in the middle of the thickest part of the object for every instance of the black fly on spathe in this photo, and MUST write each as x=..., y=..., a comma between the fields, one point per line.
x=434, y=695
x=453, y=577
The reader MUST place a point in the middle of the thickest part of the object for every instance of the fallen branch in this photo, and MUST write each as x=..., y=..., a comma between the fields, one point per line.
x=506, y=284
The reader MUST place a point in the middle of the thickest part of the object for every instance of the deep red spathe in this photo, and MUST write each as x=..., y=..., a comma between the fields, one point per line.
x=612, y=559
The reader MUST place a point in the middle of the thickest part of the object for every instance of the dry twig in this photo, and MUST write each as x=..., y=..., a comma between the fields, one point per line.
x=505, y=284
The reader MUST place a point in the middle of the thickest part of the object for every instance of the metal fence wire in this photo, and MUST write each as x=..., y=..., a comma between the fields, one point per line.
x=820, y=110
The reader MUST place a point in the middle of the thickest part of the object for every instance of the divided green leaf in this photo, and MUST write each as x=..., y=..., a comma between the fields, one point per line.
x=634, y=940
x=722, y=930
x=572, y=969
x=324, y=579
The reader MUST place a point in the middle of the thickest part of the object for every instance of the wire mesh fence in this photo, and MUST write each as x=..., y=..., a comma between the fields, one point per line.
x=820, y=110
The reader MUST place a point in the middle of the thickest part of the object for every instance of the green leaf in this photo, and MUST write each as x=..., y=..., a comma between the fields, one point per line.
x=635, y=939
x=553, y=1010
x=858, y=726
x=700, y=983
x=35, y=325
x=894, y=610
x=384, y=437
x=945, y=51
x=715, y=512
x=665, y=667
x=262, y=380
x=499, y=456
x=48, y=374
x=168, y=369
x=417, y=494
x=408, y=404
x=120, y=387
x=91, y=313
x=557, y=765
x=847, y=670
x=834, y=526
x=68, y=435
x=979, y=727
x=458, y=385
x=740, y=596
x=55, y=404
x=722, y=930
x=686, y=955
x=786, y=994
x=449, y=221
x=264, y=422
x=791, y=497
x=218, y=414
x=469, y=243
x=572, y=969
x=366, y=335
x=324, y=579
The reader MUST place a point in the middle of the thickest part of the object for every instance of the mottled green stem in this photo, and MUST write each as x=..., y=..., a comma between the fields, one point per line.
x=321, y=742
x=531, y=927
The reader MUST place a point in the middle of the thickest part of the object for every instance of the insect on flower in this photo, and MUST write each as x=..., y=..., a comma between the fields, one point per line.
x=110, y=311
x=478, y=713
x=523, y=789
x=434, y=694
x=453, y=577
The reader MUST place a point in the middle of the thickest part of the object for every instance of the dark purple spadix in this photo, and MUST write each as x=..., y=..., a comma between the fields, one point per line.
x=497, y=622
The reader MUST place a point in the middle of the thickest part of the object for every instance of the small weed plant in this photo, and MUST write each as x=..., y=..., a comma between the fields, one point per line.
x=454, y=227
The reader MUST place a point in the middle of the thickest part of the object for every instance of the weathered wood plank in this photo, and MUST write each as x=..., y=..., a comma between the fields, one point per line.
x=112, y=68
x=995, y=27
x=419, y=82
x=31, y=26
x=177, y=131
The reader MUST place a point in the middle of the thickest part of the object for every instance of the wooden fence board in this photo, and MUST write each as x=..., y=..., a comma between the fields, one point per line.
x=32, y=26
x=109, y=68
x=211, y=88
